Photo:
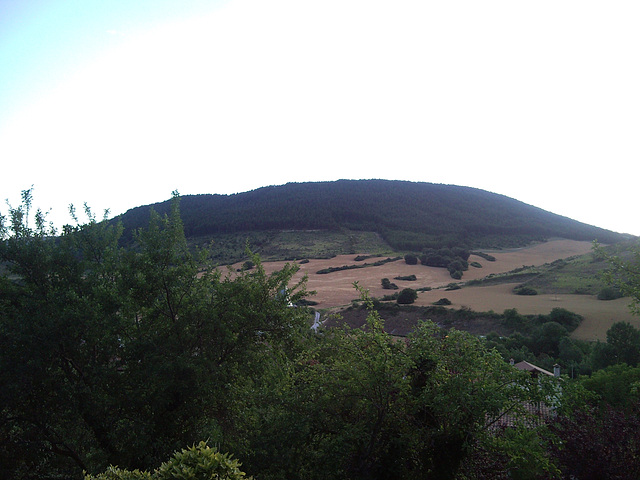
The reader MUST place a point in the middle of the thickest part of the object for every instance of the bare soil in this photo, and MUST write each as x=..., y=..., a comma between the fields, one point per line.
x=336, y=289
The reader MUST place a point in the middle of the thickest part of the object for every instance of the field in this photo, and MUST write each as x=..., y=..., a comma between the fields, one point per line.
x=336, y=289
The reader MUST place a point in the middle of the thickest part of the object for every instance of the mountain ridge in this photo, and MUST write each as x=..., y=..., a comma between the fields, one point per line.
x=408, y=215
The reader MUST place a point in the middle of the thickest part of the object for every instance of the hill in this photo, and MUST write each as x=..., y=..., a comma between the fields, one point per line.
x=409, y=216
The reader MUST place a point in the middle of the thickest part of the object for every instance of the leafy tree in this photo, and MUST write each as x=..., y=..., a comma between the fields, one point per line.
x=114, y=356
x=617, y=385
x=624, y=340
x=569, y=353
x=546, y=339
x=567, y=319
x=361, y=404
x=622, y=346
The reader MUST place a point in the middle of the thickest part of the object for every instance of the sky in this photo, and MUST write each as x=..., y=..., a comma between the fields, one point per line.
x=117, y=103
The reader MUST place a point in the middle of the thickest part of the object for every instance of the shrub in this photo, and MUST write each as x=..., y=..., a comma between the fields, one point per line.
x=387, y=285
x=199, y=462
x=609, y=293
x=407, y=296
x=115, y=473
x=522, y=290
x=248, y=265
x=443, y=301
x=411, y=259
x=407, y=278
x=486, y=256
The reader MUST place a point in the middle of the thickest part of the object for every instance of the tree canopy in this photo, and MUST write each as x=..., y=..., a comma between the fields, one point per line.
x=410, y=216
x=121, y=356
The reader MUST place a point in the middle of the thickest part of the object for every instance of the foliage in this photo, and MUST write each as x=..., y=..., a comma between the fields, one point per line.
x=199, y=462
x=589, y=444
x=524, y=290
x=409, y=216
x=361, y=404
x=609, y=293
x=387, y=285
x=411, y=259
x=486, y=256
x=617, y=386
x=624, y=270
x=248, y=265
x=543, y=340
x=622, y=346
x=442, y=301
x=527, y=453
x=115, y=473
x=352, y=267
x=453, y=259
x=407, y=296
x=120, y=356
x=406, y=278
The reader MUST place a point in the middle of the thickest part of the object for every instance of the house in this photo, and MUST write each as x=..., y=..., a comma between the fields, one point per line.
x=535, y=370
x=537, y=412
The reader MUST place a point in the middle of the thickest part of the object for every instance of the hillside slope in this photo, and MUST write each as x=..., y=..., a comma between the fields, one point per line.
x=408, y=215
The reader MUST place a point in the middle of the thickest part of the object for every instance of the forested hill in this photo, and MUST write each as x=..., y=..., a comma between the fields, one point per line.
x=408, y=215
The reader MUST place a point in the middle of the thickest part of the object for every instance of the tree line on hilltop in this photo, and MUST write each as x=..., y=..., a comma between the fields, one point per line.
x=410, y=216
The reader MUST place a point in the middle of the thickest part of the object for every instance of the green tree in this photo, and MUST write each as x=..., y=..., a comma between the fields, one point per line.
x=624, y=340
x=616, y=385
x=121, y=356
x=546, y=338
x=361, y=404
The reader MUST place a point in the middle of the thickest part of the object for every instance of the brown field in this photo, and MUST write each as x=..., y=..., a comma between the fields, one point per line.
x=336, y=289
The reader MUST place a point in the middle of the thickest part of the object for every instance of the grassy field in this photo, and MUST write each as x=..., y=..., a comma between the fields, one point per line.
x=291, y=245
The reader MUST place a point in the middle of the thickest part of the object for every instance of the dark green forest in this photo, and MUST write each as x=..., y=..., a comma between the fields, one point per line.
x=410, y=216
x=117, y=361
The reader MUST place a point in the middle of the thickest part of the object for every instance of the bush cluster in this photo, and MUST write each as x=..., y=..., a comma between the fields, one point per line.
x=524, y=290
x=455, y=259
x=387, y=285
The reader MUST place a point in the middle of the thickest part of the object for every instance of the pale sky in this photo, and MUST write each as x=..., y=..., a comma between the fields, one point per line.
x=117, y=102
